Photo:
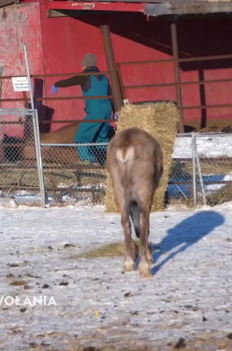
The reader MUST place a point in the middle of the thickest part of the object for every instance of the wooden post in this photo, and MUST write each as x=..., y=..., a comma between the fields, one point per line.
x=110, y=60
x=177, y=74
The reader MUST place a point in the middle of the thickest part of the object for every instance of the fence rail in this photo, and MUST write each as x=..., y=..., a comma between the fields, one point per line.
x=179, y=85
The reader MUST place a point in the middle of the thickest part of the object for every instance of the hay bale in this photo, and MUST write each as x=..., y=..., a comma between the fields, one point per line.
x=159, y=119
x=110, y=205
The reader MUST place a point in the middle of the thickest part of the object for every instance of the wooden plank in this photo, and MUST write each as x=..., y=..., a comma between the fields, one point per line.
x=171, y=8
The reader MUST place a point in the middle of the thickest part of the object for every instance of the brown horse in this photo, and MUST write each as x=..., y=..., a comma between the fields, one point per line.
x=64, y=135
x=135, y=163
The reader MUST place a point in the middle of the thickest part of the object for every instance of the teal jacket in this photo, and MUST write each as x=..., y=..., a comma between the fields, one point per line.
x=95, y=132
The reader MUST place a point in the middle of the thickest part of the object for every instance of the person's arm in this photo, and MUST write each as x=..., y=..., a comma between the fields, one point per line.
x=75, y=80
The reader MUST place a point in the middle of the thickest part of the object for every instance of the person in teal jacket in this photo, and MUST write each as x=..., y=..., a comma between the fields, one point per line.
x=95, y=132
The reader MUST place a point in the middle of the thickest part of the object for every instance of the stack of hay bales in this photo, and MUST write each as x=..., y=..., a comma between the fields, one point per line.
x=161, y=120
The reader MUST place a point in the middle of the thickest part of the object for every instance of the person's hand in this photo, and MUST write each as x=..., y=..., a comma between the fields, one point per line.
x=54, y=89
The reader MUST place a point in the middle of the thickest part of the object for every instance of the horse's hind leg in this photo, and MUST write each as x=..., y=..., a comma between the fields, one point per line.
x=129, y=264
x=144, y=264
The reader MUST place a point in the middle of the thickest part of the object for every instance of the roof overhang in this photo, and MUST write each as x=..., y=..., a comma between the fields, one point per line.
x=8, y=2
x=149, y=7
x=188, y=7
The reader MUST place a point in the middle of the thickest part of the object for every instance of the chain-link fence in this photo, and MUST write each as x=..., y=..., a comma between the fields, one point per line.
x=20, y=156
x=76, y=174
x=215, y=159
x=201, y=171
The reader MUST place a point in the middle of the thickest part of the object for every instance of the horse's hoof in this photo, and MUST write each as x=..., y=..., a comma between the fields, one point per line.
x=144, y=270
x=129, y=265
x=145, y=274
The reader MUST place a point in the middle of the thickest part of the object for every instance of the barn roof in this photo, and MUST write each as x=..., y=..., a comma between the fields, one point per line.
x=148, y=7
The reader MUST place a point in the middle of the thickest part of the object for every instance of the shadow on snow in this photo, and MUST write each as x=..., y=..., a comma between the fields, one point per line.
x=185, y=234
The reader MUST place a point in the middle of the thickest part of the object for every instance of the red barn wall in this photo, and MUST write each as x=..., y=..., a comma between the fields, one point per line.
x=57, y=45
x=201, y=37
x=19, y=24
x=80, y=35
x=134, y=39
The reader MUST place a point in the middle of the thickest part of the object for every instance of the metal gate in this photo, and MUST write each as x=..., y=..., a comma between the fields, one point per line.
x=20, y=154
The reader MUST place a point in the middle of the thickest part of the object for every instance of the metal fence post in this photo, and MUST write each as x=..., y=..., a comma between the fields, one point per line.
x=28, y=76
x=39, y=157
x=194, y=171
x=199, y=172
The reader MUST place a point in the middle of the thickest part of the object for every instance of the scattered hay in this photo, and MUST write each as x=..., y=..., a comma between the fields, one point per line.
x=159, y=119
x=18, y=282
x=116, y=249
x=110, y=250
x=221, y=196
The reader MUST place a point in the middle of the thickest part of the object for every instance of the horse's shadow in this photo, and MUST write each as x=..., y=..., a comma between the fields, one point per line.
x=183, y=235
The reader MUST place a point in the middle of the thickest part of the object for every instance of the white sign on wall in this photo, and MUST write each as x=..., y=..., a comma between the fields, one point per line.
x=20, y=83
